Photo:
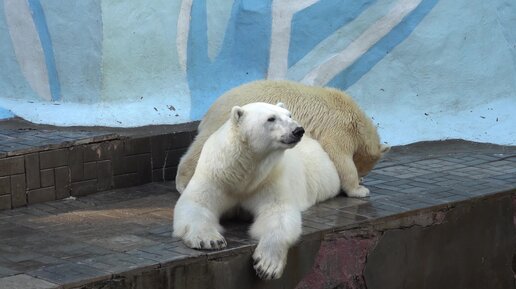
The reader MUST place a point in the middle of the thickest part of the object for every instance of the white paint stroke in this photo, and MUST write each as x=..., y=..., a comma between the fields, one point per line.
x=218, y=14
x=27, y=46
x=322, y=74
x=183, y=29
x=338, y=40
x=282, y=12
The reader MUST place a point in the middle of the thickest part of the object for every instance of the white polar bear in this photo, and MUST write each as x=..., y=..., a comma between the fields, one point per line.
x=257, y=160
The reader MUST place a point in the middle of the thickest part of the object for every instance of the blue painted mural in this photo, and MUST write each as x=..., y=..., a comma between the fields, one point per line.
x=38, y=16
x=243, y=57
x=428, y=68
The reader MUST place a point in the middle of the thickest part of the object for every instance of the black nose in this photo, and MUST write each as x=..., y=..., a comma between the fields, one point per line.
x=298, y=132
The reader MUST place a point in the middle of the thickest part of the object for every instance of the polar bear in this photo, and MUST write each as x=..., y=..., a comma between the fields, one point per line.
x=329, y=115
x=257, y=160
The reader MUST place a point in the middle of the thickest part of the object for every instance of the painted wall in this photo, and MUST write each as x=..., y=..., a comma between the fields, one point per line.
x=422, y=69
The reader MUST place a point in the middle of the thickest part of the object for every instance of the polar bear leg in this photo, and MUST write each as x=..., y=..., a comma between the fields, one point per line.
x=188, y=162
x=276, y=228
x=349, y=179
x=197, y=223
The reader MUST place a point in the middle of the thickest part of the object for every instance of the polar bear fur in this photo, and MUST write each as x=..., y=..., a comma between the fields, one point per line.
x=329, y=116
x=259, y=161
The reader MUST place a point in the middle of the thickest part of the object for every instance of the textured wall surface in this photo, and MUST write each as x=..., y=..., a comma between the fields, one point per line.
x=423, y=69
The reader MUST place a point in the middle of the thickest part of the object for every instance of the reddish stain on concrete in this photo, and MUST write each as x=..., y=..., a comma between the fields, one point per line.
x=340, y=261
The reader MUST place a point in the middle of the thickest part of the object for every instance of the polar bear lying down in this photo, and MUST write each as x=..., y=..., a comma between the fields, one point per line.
x=257, y=160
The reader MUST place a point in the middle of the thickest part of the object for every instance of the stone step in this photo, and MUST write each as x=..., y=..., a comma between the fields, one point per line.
x=44, y=163
x=440, y=215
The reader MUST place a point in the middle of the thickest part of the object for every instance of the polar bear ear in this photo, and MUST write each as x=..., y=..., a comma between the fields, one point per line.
x=236, y=114
x=281, y=104
x=384, y=148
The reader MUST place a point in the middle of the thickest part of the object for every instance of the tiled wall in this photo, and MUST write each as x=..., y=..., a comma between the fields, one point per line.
x=84, y=169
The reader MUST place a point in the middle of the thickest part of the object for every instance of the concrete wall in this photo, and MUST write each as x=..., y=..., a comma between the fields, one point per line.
x=423, y=69
x=469, y=245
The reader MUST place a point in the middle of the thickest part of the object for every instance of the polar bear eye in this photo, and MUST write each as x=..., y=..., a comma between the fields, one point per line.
x=271, y=119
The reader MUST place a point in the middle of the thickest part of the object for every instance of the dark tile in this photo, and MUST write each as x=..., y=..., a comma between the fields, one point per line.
x=159, y=145
x=5, y=185
x=41, y=195
x=126, y=180
x=70, y=274
x=4, y=272
x=12, y=166
x=137, y=146
x=164, y=174
x=75, y=163
x=47, y=178
x=182, y=249
x=319, y=211
x=172, y=157
x=18, y=191
x=342, y=202
x=76, y=155
x=92, y=152
x=129, y=164
x=180, y=140
x=307, y=222
x=53, y=158
x=105, y=151
x=117, y=262
x=76, y=172
x=84, y=188
x=16, y=149
x=104, y=175
x=116, y=151
x=144, y=169
x=32, y=171
x=63, y=182
x=90, y=170
x=98, y=151
x=5, y=202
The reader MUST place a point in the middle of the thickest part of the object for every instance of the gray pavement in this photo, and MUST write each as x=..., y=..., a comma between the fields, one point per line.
x=78, y=241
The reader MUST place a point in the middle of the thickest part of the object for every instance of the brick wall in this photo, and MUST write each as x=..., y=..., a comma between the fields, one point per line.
x=83, y=169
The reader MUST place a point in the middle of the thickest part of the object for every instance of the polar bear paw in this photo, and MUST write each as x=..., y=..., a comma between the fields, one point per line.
x=267, y=264
x=180, y=186
x=208, y=240
x=359, y=192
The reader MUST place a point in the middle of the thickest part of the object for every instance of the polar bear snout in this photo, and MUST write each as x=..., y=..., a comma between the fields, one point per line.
x=298, y=132
x=294, y=136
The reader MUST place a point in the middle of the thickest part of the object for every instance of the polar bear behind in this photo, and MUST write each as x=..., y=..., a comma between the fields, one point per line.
x=258, y=160
x=329, y=116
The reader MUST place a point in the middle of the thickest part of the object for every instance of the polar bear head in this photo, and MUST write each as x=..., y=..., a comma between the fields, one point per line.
x=266, y=127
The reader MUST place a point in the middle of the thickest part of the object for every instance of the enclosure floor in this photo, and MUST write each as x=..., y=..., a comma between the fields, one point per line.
x=77, y=241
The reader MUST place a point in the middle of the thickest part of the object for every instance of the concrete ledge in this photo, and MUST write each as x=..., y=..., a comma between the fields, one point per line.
x=43, y=163
x=440, y=216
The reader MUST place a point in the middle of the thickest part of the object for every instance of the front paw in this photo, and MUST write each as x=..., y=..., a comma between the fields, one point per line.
x=358, y=192
x=207, y=240
x=269, y=264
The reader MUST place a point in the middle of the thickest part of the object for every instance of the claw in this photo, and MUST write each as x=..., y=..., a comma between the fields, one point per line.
x=221, y=243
